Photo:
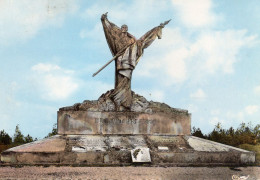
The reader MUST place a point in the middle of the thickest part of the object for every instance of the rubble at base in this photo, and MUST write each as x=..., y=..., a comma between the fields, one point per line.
x=139, y=104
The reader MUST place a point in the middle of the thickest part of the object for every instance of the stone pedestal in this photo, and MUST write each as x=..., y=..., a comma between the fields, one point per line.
x=144, y=117
x=91, y=122
x=93, y=134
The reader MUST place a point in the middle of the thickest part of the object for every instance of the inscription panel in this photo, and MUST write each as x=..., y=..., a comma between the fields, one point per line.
x=85, y=122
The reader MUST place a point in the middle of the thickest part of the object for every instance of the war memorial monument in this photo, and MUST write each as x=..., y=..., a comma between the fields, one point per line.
x=122, y=127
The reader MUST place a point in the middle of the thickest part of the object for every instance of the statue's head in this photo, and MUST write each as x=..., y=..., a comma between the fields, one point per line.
x=124, y=28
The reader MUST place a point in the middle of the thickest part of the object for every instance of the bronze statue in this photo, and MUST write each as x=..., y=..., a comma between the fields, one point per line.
x=127, y=51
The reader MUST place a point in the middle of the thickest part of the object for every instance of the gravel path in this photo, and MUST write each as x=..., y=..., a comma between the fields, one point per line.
x=52, y=172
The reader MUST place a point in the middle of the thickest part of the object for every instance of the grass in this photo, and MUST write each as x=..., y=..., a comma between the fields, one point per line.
x=254, y=148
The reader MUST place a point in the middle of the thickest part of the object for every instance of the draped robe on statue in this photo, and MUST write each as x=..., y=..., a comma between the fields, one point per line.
x=130, y=51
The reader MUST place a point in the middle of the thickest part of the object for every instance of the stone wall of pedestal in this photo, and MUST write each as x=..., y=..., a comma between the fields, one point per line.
x=94, y=122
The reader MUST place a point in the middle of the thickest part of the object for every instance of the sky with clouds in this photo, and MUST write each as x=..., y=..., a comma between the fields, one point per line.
x=207, y=60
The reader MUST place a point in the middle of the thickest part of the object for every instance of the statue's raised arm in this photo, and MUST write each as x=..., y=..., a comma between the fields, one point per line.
x=111, y=30
x=147, y=39
x=114, y=35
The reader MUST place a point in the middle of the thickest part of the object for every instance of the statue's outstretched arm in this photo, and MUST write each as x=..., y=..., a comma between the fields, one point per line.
x=111, y=31
x=107, y=23
x=165, y=23
x=147, y=39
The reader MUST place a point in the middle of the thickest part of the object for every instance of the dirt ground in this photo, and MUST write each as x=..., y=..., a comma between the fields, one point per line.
x=187, y=173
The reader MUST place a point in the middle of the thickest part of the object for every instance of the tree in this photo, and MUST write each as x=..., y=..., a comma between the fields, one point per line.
x=5, y=138
x=28, y=139
x=54, y=131
x=217, y=134
x=257, y=132
x=246, y=134
x=197, y=132
x=18, y=136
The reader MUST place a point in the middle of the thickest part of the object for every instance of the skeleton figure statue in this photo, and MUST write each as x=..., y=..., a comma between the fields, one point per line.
x=127, y=51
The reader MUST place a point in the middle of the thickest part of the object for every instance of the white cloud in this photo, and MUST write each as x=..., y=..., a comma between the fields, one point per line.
x=24, y=18
x=213, y=53
x=181, y=60
x=54, y=82
x=8, y=104
x=240, y=115
x=175, y=65
x=166, y=57
x=121, y=11
x=215, y=112
x=208, y=55
x=156, y=95
x=7, y=96
x=169, y=70
x=96, y=88
x=257, y=90
x=96, y=10
x=199, y=94
x=251, y=109
x=45, y=67
x=215, y=120
x=193, y=108
x=91, y=33
x=237, y=116
x=244, y=115
x=59, y=87
x=195, y=13
x=152, y=95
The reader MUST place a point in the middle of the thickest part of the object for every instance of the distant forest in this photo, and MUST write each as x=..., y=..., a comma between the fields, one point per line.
x=6, y=141
x=244, y=134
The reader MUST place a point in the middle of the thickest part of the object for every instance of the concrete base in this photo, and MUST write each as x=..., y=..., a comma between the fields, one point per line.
x=144, y=117
x=93, y=122
x=115, y=150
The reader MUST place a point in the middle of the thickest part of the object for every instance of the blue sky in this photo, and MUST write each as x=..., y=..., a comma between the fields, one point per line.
x=207, y=60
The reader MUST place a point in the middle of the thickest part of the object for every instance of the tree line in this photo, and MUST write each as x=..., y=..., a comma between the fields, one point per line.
x=244, y=134
x=6, y=141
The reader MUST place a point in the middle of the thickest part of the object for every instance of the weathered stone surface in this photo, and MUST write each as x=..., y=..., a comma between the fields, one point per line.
x=199, y=144
x=139, y=104
x=141, y=154
x=174, y=143
x=116, y=150
x=100, y=143
x=247, y=158
x=144, y=117
x=50, y=145
x=88, y=143
x=91, y=122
